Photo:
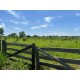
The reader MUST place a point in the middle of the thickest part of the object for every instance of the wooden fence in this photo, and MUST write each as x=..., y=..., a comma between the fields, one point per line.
x=62, y=61
x=41, y=53
x=4, y=48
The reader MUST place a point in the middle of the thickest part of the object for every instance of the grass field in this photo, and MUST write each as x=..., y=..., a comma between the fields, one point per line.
x=47, y=42
x=50, y=42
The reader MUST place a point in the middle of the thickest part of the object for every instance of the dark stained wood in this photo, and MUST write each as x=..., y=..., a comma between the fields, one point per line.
x=23, y=57
x=26, y=52
x=18, y=44
x=12, y=49
x=22, y=50
x=72, y=61
x=53, y=66
x=56, y=59
x=0, y=44
x=77, y=51
x=33, y=56
x=37, y=59
x=4, y=47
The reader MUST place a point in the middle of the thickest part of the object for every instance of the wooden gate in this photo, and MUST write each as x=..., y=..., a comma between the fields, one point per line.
x=17, y=52
x=41, y=53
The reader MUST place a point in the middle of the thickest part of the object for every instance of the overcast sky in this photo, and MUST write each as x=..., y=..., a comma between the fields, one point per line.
x=41, y=22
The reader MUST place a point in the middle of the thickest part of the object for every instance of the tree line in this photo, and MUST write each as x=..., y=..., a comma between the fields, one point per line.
x=22, y=34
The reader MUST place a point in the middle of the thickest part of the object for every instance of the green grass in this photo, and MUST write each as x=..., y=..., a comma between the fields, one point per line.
x=47, y=42
x=6, y=64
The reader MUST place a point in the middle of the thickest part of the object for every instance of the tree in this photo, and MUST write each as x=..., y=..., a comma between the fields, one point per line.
x=22, y=34
x=13, y=35
x=28, y=36
x=1, y=31
x=35, y=36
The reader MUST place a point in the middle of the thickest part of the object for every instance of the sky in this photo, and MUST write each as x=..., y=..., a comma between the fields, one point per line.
x=41, y=22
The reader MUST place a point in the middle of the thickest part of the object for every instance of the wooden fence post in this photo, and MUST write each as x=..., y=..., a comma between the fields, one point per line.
x=3, y=46
x=33, y=56
x=37, y=59
x=0, y=44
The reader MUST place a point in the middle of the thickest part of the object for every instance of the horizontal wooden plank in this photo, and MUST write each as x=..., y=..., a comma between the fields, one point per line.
x=62, y=50
x=17, y=44
x=23, y=57
x=53, y=66
x=26, y=52
x=72, y=61
x=12, y=49
x=56, y=59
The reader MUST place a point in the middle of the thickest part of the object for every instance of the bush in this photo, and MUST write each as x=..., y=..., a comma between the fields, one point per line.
x=3, y=60
x=24, y=39
x=6, y=64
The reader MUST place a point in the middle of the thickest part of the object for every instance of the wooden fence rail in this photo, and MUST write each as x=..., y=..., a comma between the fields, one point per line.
x=25, y=49
x=26, y=52
x=77, y=51
x=40, y=53
x=72, y=61
x=53, y=66
x=17, y=44
x=56, y=59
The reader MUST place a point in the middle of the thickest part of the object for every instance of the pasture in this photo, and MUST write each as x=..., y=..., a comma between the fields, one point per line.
x=44, y=42
x=48, y=42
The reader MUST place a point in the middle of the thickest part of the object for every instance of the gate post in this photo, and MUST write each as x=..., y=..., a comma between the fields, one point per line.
x=0, y=44
x=3, y=46
x=37, y=59
x=33, y=56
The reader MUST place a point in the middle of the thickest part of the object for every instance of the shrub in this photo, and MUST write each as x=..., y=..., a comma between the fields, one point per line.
x=3, y=60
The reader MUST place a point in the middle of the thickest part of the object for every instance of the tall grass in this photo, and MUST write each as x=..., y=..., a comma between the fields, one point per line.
x=6, y=64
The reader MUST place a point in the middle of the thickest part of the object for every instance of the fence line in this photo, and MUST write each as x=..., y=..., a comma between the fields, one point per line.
x=53, y=66
x=72, y=61
x=17, y=52
x=77, y=51
x=40, y=53
x=56, y=59
x=18, y=44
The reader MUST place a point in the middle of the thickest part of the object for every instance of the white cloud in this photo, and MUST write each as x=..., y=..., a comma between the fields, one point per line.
x=17, y=28
x=19, y=22
x=13, y=13
x=48, y=19
x=40, y=26
x=45, y=25
x=76, y=29
x=2, y=25
x=77, y=14
x=59, y=16
x=24, y=22
x=15, y=22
